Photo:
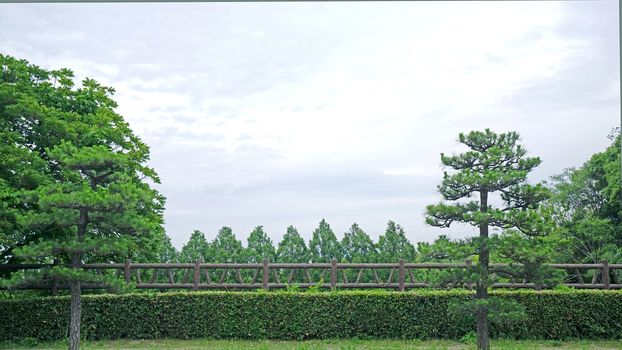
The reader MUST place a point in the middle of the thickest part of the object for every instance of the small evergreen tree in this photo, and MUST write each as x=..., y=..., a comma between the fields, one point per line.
x=104, y=206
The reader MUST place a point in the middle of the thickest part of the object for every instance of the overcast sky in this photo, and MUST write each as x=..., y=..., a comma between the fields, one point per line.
x=281, y=114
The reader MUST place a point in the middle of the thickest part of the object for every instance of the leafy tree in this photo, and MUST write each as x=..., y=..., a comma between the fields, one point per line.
x=39, y=109
x=103, y=205
x=292, y=248
x=393, y=245
x=357, y=246
x=197, y=248
x=531, y=253
x=168, y=253
x=259, y=246
x=226, y=248
x=324, y=245
x=494, y=163
x=587, y=207
x=73, y=179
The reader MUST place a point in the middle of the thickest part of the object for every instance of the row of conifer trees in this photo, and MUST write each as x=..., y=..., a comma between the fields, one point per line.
x=355, y=246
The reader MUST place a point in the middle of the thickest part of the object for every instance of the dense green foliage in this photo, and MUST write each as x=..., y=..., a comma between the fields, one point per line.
x=316, y=344
x=324, y=245
x=587, y=208
x=51, y=133
x=289, y=315
x=357, y=247
x=292, y=248
x=393, y=245
x=259, y=246
x=91, y=200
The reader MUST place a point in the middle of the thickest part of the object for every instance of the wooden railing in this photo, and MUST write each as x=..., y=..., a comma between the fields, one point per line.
x=333, y=275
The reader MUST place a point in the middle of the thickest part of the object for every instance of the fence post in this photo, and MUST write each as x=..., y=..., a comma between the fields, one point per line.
x=333, y=274
x=266, y=274
x=197, y=275
x=126, y=270
x=605, y=273
x=400, y=275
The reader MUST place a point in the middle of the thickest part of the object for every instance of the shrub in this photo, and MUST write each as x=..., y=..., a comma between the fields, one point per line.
x=300, y=315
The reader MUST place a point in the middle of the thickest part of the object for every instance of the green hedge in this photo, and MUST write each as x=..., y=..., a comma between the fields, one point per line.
x=297, y=315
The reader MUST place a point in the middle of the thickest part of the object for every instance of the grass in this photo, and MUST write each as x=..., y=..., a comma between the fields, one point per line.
x=341, y=344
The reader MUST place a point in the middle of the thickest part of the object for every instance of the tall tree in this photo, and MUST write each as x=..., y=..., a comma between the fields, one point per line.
x=226, y=248
x=587, y=207
x=197, y=248
x=73, y=178
x=103, y=205
x=39, y=109
x=393, y=245
x=494, y=163
x=292, y=248
x=357, y=247
x=259, y=246
x=324, y=245
x=168, y=253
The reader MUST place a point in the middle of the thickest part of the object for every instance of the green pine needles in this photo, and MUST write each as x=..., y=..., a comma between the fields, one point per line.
x=493, y=163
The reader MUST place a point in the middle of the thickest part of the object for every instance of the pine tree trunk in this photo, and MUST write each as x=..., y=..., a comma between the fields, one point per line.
x=74, y=316
x=481, y=313
x=75, y=311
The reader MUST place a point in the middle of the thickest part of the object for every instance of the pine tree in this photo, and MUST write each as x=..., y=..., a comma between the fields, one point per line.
x=494, y=163
x=104, y=207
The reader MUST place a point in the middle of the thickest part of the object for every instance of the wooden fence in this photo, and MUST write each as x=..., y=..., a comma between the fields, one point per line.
x=333, y=275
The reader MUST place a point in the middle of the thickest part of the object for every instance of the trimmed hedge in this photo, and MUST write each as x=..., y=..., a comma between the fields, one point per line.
x=298, y=315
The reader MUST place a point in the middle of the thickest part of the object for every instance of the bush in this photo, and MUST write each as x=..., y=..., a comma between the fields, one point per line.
x=299, y=315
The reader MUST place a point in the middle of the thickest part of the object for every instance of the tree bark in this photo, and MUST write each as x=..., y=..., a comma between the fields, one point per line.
x=481, y=295
x=75, y=310
x=74, y=317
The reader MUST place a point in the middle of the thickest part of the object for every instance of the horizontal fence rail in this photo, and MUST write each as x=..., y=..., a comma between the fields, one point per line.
x=333, y=275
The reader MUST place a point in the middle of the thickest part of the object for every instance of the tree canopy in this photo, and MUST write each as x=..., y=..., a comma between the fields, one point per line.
x=493, y=163
x=48, y=127
x=292, y=248
x=324, y=245
x=85, y=193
